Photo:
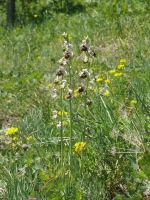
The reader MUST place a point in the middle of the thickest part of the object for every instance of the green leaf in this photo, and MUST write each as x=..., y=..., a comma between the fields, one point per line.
x=32, y=194
x=43, y=176
x=142, y=175
x=119, y=197
x=144, y=164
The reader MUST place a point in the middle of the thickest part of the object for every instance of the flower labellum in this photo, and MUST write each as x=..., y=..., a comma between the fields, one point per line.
x=84, y=73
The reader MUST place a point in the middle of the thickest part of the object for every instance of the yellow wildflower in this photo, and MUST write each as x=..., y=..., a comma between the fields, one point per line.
x=117, y=74
x=50, y=84
x=107, y=81
x=39, y=57
x=76, y=92
x=79, y=146
x=11, y=131
x=123, y=60
x=107, y=94
x=61, y=113
x=133, y=102
x=121, y=66
x=30, y=138
x=112, y=71
x=99, y=80
x=65, y=123
x=35, y=15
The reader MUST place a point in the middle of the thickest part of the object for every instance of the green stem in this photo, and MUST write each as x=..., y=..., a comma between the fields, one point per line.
x=70, y=108
x=85, y=122
x=61, y=130
x=70, y=118
x=85, y=112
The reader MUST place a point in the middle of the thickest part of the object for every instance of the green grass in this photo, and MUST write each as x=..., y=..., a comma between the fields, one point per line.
x=115, y=162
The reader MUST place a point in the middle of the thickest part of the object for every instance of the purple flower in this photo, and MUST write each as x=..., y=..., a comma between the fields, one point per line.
x=32, y=199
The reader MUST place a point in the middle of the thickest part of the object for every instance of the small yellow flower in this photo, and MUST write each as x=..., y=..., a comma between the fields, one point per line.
x=123, y=60
x=76, y=92
x=65, y=123
x=112, y=71
x=107, y=81
x=11, y=131
x=95, y=90
x=98, y=80
x=50, y=84
x=39, y=57
x=79, y=146
x=117, y=74
x=133, y=102
x=35, y=15
x=30, y=138
x=121, y=66
x=18, y=28
x=61, y=113
x=107, y=94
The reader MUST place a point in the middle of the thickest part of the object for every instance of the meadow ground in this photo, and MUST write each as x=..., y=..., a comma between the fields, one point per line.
x=75, y=101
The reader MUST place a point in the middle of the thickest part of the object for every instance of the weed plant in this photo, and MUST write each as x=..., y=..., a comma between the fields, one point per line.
x=74, y=103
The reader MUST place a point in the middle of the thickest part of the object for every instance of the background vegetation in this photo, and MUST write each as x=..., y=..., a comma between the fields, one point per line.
x=39, y=159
